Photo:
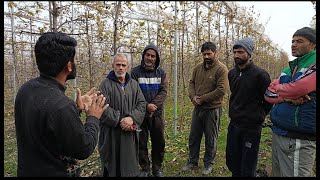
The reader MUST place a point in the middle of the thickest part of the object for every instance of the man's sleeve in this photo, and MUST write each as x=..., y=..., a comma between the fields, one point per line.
x=110, y=116
x=298, y=88
x=138, y=112
x=160, y=98
x=192, y=91
x=74, y=139
x=265, y=82
x=222, y=86
x=292, y=90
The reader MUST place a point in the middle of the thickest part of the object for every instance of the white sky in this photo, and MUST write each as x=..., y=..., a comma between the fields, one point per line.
x=285, y=18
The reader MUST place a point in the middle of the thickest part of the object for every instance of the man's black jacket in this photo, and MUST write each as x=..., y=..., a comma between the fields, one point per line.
x=48, y=129
x=247, y=107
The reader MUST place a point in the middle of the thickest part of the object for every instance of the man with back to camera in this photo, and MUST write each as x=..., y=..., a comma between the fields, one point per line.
x=294, y=112
x=50, y=134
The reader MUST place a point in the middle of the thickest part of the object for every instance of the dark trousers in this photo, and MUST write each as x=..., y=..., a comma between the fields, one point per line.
x=155, y=126
x=242, y=150
x=205, y=121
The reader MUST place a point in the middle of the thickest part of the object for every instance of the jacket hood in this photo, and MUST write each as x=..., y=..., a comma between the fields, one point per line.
x=151, y=46
x=112, y=76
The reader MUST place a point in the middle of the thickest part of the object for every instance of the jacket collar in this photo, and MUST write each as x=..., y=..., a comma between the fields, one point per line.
x=215, y=60
x=52, y=82
x=112, y=76
x=301, y=60
x=248, y=66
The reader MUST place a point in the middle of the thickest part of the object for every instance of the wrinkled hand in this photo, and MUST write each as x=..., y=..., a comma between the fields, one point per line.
x=152, y=108
x=85, y=99
x=298, y=101
x=196, y=101
x=126, y=124
x=97, y=106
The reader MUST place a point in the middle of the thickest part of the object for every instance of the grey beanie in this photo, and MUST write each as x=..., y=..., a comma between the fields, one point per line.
x=247, y=44
x=306, y=32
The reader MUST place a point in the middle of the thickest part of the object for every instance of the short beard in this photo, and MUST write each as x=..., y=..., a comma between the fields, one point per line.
x=240, y=62
x=149, y=65
x=120, y=75
x=73, y=73
x=208, y=62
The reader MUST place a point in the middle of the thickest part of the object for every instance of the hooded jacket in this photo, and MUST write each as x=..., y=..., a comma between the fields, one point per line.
x=116, y=146
x=154, y=84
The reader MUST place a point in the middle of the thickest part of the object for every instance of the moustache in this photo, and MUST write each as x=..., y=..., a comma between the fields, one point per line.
x=208, y=61
x=148, y=63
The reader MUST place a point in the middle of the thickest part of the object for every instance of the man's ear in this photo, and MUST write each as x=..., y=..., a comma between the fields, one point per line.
x=69, y=66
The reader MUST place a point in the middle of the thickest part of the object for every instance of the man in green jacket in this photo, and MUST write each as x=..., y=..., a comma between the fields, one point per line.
x=118, y=141
x=293, y=115
x=208, y=85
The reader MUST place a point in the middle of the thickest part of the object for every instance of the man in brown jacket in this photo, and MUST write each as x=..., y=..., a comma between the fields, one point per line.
x=208, y=85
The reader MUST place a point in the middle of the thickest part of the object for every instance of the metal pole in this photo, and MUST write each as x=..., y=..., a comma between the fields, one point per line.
x=75, y=79
x=175, y=70
x=14, y=56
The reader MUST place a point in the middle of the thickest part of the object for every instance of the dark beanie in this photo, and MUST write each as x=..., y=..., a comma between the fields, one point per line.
x=306, y=32
x=247, y=44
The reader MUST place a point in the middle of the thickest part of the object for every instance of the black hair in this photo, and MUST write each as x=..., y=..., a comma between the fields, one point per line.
x=208, y=46
x=53, y=51
x=237, y=47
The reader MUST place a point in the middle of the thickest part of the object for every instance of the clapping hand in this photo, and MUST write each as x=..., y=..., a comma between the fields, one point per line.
x=97, y=106
x=85, y=99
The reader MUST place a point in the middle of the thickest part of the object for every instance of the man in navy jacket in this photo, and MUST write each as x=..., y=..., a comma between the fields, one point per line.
x=154, y=84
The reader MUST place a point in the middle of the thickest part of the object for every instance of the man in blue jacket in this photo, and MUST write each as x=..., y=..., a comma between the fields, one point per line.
x=154, y=84
x=294, y=114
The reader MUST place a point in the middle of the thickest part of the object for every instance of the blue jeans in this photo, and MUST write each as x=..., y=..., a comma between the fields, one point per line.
x=242, y=151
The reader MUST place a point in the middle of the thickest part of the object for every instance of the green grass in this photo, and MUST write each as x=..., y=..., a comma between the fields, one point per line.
x=10, y=147
x=176, y=146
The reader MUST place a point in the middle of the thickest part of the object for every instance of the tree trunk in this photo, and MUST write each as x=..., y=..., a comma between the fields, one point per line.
x=226, y=40
x=197, y=31
x=115, y=22
x=34, y=68
x=55, y=15
x=182, y=65
x=50, y=15
x=14, y=57
x=219, y=26
x=89, y=51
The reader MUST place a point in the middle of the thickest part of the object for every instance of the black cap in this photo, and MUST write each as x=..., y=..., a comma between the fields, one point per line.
x=307, y=32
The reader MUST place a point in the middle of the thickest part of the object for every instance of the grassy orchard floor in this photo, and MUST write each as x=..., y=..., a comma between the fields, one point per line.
x=176, y=147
